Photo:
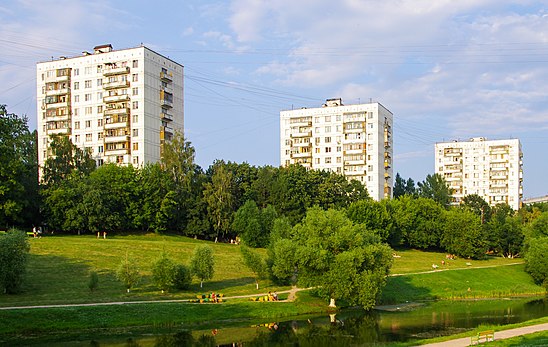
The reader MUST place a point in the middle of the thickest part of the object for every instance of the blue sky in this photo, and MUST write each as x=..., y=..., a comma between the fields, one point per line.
x=446, y=69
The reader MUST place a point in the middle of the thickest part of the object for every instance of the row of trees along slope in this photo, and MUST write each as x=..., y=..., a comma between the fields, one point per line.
x=230, y=200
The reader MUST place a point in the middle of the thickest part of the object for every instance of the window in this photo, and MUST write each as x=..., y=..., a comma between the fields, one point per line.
x=328, y=129
x=89, y=110
x=339, y=148
x=136, y=146
x=99, y=96
x=370, y=115
x=135, y=105
x=76, y=72
x=317, y=130
x=100, y=109
x=88, y=137
x=76, y=112
x=338, y=160
x=317, y=160
x=135, y=132
x=135, y=64
x=328, y=160
x=327, y=139
x=87, y=70
x=76, y=85
x=87, y=97
x=370, y=125
x=99, y=136
x=119, y=159
x=76, y=125
x=100, y=149
x=88, y=84
x=135, y=91
x=136, y=160
x=76, y=138
x=135, y=118
x=338, y=118
x=317, y=150
x=135, y=77
x=88, y=124
x=327, y=119
x=99, y=122
x=99, y=68
x=327, y=149
x=99, y=82
x=77, y=98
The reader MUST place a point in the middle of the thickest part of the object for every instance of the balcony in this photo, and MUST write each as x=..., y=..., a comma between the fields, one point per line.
x=386, y=175
x=115, y=111
x=57, y=117
x=386, y=164
x=355, y=172
x=166, y=103
x=59, y=131
x=115, y=84
x=115, y=98
x=354, y=162
x=166, y=116
x=387, y=144
x=167, y=130
x=354, y=140
x=354, y=130
x=302, y=134
x=117, y=151
x=116, y=71
x=115, y=125
x=62, y=91
x=166, y=77
x=498, y=184
x=498, y=150
x=302, y=144
x=498, y=168
x=61, y=78
x=354, y=151
x=499, y=160
x=168, y=89
x=452, y=152
x=300, y=122
x=113, y=139
x=452, y=168
x=301, y=155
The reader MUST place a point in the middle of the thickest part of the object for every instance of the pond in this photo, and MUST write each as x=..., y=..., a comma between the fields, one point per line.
x=406, y=322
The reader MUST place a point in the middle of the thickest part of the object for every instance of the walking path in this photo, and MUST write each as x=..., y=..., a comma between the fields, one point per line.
x=499, y=335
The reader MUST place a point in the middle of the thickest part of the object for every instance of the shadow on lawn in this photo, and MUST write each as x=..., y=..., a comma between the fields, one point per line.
x=399, y=289
x=220, y=286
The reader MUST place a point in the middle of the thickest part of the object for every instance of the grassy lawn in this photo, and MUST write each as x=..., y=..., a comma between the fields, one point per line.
x=59, y=267
x=412, y=261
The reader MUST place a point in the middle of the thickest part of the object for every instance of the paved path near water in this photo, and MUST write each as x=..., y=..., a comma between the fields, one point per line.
x=499, y=335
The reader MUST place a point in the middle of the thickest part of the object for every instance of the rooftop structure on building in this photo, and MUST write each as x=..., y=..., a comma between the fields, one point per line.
x=352, y=140
x=537, y=200
x=492, y=169
x=121, y=105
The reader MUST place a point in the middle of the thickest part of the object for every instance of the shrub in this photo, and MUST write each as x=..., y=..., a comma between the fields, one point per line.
x=537, y=262
x=182, y=278
x=14, y=249
x=163, y=271
x=128, y=272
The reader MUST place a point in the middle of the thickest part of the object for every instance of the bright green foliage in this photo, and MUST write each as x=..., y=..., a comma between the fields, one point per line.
x=14, y=249
x=93, y=281
x=18, y=171
x=505, y=234
x=344, y=259
x=253, y=225
x=66, y=160
x=128, y=272
x=152, y=187
x=462, y=234
x=478, y=205
x=374, y=215
x=419, y=222
x=436, y=188
x=255, y=263
x=282, y=260
x=219, y=197
x=537, y=261
x=182, y=277
x=202, y=264
x=163, y=272
x=539, y=227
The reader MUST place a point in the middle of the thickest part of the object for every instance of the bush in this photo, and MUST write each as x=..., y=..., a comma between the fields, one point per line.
x=128, y=272
x=93, y=281
x=537, y=262
x=182, y=278
x=14, y=249
x=163, y=271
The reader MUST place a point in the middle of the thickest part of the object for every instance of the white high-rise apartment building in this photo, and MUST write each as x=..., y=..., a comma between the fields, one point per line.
x=121, y=105
x=353, y=140
x=491, y=169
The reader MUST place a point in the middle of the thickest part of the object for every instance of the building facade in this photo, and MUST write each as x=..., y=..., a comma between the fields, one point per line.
x=491, y=169
x=352, y=140
x=121, y=105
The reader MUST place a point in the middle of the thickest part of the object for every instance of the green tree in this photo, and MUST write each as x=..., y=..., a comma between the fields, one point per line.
x=253, y=225
x=399, y=186
x=462, y=234
x=202, y=264
x=14, y=249
x=417, y=221
x=374, y=215
x=539, y=226
x=255, y=263
x=163, y=272
x=182, y=277
x=344, y=259
x=436, y=188
x=536, y=260
x=18, y=171
x=218, y=195
x=478, y=205
x=66, y=159
x=128, y=272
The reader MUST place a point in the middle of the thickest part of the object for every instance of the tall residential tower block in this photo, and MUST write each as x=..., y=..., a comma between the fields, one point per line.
x=352, y=140
x=120, y=105
x=491, y=169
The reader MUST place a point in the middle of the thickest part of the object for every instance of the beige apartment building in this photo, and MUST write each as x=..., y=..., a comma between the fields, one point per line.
x=491, y=169
x=352, y=140
x=122, y=105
